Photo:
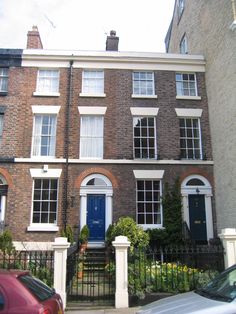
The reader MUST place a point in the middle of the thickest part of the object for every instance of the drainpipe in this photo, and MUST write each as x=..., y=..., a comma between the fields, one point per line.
x=66, y=146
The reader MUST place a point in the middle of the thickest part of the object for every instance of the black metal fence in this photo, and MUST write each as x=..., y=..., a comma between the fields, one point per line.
x=39, y=263
x=173, y=269
x=90, y=277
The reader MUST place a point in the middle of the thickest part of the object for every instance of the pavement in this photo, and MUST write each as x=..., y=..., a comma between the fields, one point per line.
x=131, y=310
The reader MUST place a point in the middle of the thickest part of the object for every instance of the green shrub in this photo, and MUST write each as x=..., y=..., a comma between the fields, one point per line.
x=158, y=237
x=6, y=245
x=108, y=236
x=126, y=226
x=84, y=234
x=68, y=233
x=172, y=216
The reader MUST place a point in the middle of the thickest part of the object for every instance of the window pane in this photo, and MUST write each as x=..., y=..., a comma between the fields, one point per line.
x=46, y=204
x=186, y=84
x=144, y=137
x=143, y=83
x=149, y=192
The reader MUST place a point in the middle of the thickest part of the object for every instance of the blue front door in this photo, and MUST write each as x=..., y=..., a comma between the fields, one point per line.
x=96, y=216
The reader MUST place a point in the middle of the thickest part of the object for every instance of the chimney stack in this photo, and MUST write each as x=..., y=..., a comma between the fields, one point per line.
x=33, y=39
x=112, y=42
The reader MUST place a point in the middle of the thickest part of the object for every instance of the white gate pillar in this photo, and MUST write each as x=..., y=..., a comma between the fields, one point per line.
x=121, y=245
x=228, y=238
x=60, y=247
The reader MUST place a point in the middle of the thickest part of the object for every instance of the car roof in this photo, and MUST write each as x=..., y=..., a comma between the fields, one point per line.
x=13, y=272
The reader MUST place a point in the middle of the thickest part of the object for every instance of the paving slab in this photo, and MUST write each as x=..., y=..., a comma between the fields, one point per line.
x=131, y=310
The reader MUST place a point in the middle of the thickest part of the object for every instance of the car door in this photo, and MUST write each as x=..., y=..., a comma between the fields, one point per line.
x=3, y=302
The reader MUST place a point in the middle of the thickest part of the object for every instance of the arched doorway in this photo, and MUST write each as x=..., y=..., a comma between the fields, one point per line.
x=3, y=201
x=96, y=206
x=197, y=208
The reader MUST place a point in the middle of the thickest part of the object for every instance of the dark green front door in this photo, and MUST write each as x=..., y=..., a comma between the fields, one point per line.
x=197, y=217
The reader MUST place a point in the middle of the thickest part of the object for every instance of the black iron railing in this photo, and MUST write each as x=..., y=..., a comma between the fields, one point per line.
x=173, y=269
x=91, y=276
x=39, y=263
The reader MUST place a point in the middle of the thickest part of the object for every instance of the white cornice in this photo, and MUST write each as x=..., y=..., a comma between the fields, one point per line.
x=116, y=60
x=117, y=161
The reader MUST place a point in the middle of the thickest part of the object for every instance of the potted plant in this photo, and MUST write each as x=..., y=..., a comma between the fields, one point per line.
x=80, y=270
x=83, y=238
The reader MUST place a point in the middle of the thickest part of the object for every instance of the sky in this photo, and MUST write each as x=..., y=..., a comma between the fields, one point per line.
x=141, y=25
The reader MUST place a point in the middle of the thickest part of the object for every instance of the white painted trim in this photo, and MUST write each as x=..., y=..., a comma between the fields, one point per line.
x=189, y=97
x=89, y=110
x=92, y=95
x=106, y=190
x=3, y=207
x=40, y=159
x=46, y=109
x=203, y=190
x=148, y=174
x=113, y=60
x=46, y=94
x=32, y=246
x=41, y=173
x=43, y=227
x=117, y=161
x=185, y=112
x=144, y=111
x=144, y=96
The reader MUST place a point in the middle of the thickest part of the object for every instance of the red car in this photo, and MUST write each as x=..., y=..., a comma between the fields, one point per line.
x=20, y=293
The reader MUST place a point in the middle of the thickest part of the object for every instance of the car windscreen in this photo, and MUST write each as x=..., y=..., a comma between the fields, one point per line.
x=222, y=288
x=37, y=287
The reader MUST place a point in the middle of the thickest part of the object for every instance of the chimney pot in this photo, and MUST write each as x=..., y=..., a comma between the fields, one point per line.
x=33, y=39
x=112, y=41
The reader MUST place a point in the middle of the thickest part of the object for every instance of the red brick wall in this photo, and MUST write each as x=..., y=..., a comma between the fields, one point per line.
x=118, y=140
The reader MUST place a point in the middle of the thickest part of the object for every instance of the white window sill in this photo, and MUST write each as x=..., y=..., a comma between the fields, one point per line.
x=43, y=227
x=144, y=96
x=43, y=158
x=46, y=94
x=92, y=95
x=189, y=97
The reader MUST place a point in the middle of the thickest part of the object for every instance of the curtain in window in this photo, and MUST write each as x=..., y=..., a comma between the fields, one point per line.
x=44, y=137
x=91, y=137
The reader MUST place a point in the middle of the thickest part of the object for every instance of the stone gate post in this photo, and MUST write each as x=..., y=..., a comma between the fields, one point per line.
x=121, y=245
x=60, y=247
x=228, y=238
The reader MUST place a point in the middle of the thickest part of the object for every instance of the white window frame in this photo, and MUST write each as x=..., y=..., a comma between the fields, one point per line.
x=45, y=86
x=145, y=80
x=180, y=7
x=181, y=91
x=150, y=175
x=4, y=76
x=44, y=173
x=90, y=85
x=40, y=111
x=192, y=139
x=92, y=136
x=141, y=148
x=183, y=45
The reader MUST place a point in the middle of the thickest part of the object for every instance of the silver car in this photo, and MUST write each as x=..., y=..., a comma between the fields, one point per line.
x=218, y=297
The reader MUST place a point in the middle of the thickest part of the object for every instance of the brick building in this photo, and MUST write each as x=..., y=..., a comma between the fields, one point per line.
x=209, y=28
x=88, y=137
